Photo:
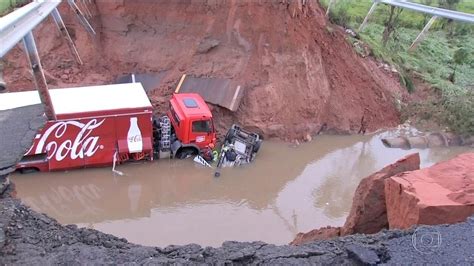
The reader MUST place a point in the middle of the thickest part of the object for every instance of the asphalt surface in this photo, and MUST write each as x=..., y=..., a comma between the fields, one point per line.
x=18, y=127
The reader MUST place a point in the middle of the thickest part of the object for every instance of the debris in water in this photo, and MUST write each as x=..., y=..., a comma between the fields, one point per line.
x=200, y=160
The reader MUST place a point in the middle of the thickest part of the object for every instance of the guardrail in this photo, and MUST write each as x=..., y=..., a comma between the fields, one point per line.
x=435, y=11
x=17, y=24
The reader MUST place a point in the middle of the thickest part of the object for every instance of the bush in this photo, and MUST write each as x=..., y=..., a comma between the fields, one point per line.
x=459, y=107
x=406, y=81
x=338, y=14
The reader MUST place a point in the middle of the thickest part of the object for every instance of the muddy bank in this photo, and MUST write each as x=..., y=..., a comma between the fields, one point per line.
x=299, y=73
x=27, y=237
x=428, y=140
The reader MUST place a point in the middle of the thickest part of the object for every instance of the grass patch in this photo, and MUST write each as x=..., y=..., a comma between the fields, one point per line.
x=6, y=6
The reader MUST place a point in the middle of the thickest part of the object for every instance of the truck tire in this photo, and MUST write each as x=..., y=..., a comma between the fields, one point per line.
x=230, y=135
x=185, y=153
x=256, y=147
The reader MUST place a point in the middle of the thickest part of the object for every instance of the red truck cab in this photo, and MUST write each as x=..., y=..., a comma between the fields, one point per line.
x=192, y=122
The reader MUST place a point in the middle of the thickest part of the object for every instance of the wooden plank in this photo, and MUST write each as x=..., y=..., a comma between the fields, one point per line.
x=180, y=83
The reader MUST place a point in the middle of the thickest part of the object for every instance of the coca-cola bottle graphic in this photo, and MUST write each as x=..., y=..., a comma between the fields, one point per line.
x=134, y=136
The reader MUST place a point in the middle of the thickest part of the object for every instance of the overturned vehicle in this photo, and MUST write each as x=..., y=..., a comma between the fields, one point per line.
x=239, y=147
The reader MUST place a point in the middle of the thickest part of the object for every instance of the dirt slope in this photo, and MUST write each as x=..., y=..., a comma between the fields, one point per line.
x=300, y=74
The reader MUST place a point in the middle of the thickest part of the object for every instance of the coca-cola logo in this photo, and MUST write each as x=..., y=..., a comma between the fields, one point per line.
x=136, y=138
x=83, y=145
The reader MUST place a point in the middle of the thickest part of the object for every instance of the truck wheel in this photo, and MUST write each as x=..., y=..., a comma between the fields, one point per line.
x=256, y=147
x=185, y=153
x=229, y=136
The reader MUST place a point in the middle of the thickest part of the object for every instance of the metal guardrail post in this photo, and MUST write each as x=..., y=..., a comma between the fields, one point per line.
x=331, y=3
x=422, y=34
x=371, y=10
x=3, y=85
x=81, y=17
x=64, y=32
x=86, y=9
x=38, y=74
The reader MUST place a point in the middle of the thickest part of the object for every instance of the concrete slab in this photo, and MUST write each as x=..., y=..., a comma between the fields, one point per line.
x=18, y=128
x=219, y=91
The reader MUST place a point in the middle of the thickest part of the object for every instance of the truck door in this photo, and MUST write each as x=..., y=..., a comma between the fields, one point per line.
x=201, y=132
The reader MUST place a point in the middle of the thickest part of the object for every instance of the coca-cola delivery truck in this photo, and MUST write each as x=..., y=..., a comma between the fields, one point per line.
x=100, y=125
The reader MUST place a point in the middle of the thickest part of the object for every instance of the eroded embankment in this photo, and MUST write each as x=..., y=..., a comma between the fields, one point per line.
x=299, y=73
x=27, y=237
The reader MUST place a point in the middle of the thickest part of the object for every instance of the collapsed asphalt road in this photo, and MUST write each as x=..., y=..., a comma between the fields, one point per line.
x=17, y=130
x=27, y=237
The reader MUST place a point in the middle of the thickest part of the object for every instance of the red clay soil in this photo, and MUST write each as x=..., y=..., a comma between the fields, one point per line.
x=300, y=74
x=442, y=193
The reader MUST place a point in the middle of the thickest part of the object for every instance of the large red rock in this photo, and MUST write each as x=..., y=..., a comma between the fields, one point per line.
x=443, y=193
x=368, y=212
x=316, y=234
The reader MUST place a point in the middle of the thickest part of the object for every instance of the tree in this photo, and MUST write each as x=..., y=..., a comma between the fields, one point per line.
x=452, y=5
x=449, y=4
x=391, y=24
x=460, y=57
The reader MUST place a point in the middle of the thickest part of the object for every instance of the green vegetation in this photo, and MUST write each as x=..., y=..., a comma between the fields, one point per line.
x=444, y=59
x=7, y=5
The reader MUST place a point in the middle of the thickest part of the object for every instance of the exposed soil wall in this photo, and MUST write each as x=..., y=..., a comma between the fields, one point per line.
x=299, y=73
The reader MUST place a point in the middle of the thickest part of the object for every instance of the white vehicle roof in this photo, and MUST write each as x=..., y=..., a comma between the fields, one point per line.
x=83, y=99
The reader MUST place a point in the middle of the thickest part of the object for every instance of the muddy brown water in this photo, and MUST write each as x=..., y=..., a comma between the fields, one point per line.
x=285, y=191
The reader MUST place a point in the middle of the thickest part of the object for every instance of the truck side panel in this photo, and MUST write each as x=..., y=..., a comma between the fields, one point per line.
x=123, y=130
x=84, y=142
x=106, y=145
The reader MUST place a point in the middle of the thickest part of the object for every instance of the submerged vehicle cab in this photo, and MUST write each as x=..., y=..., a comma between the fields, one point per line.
x=188, y=124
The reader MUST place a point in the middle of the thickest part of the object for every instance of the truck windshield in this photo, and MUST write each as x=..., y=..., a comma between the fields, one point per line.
x=202, y=126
